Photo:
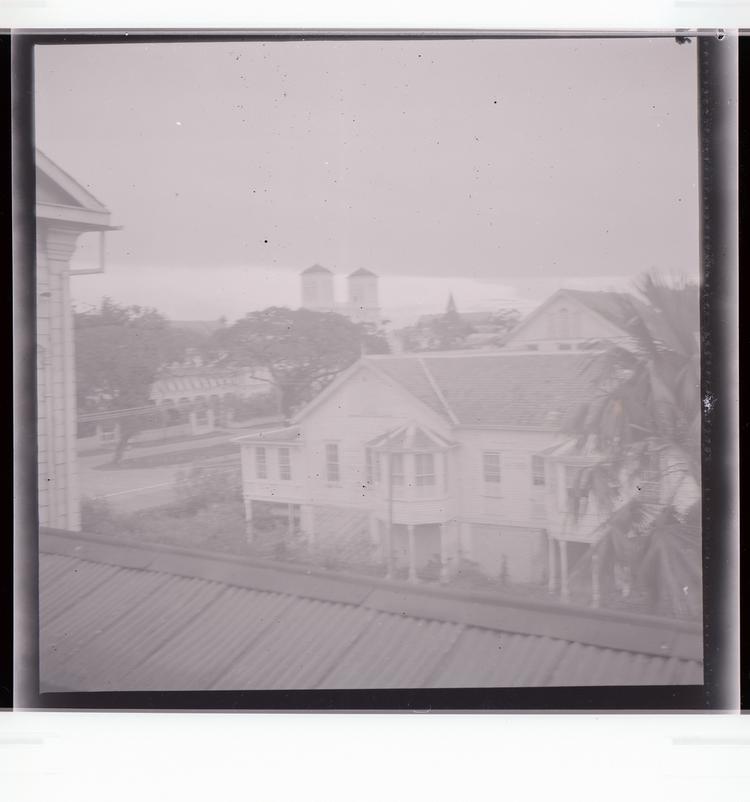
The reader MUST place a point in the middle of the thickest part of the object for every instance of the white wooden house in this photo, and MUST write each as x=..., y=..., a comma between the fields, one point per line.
x=444, y=457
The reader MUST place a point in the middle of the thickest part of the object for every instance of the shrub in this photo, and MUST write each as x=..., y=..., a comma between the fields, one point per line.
x=99, y=517
x=203, y=486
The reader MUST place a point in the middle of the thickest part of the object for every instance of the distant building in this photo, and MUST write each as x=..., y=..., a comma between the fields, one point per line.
x=575, y=319
x=64, y=211
x=361, y=305
x=471, y=330
x=202, y=390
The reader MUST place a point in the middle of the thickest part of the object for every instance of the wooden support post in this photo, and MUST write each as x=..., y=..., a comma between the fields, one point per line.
x=249, y=532
x=290, y=519
x=373, y=526
x=564, y=569
x=443, y=553
x=412, y=554
x=595, y=580
x=389, y=552
x=551, y=564
x=307, y=522
x=466, y=538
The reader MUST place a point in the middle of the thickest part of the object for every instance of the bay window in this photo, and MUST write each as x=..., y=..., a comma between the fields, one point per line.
x=424, y=473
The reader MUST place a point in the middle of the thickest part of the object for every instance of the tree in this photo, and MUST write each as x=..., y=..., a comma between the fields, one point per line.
x=644, y=423
x=450, y=330
x=119, y=351
x=302, y=350
x=502, y=322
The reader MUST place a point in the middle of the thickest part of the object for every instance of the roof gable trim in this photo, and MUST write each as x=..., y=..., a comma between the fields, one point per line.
x=542, y=309
x=68, y=184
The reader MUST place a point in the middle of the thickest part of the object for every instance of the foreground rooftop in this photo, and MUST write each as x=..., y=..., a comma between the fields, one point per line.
x=115, y=616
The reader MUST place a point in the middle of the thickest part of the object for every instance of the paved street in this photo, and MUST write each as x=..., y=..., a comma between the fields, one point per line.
x=129, y=490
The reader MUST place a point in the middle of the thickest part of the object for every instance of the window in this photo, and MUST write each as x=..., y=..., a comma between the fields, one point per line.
x=532, y=347
x=285, y=464
x=564, y=346
x=491, y=467
x=424, y=470
x=538, y=478
x=332, y=462
x=397, y=470
x=261, y=469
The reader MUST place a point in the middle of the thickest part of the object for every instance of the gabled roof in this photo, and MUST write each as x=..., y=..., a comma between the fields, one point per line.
x=410, y=437
x=316, y=268
x=613, y=306
x=363, y=272
x=61, y=197
x=609, y=306
x=372, y=366
x=119, y=616
x=503, y=389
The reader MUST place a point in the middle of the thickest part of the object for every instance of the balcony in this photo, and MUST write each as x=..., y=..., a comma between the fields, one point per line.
x=415, y=511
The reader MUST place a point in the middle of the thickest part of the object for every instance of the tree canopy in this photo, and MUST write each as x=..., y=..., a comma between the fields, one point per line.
x=645, y=423
x=302, y=350
x=119, y=351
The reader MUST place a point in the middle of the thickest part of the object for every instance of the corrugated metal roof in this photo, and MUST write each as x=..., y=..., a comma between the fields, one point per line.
x=117, y=617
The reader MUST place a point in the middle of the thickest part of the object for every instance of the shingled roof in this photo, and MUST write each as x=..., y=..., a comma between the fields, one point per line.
x=505, y=389
x=119, y=616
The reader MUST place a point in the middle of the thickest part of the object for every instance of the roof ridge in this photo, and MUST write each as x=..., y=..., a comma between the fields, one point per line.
x=438, y=392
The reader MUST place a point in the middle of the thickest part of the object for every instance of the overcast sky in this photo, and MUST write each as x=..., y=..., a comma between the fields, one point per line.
x=502, y=169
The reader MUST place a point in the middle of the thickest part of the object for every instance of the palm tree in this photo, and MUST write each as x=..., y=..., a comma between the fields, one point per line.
x=644, y=423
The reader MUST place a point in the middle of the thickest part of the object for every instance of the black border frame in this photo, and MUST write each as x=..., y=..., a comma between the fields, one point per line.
x=716, y=373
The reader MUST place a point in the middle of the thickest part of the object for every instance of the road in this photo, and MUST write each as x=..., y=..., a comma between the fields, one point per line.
x=129, y=490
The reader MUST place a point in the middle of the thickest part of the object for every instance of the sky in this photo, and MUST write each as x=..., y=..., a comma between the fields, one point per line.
x=496, y=170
